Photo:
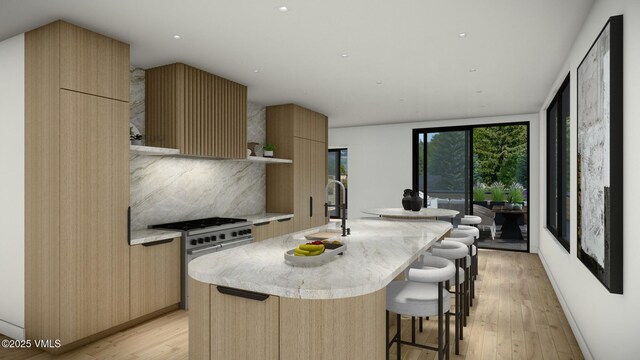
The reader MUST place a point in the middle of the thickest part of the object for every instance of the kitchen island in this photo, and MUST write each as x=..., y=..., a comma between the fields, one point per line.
x=248, y=303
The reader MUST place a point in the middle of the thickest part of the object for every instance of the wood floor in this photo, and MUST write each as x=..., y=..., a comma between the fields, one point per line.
x=516, y=315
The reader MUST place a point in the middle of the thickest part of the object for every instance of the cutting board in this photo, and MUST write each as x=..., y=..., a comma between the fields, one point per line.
x=322, y=236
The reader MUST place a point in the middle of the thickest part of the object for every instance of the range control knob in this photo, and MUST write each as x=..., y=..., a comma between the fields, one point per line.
x=222, y=236
x=207, y=239
x=200, y=240
x=194, y=241
x=213, y=238
x=234, y=234
x=248, y=231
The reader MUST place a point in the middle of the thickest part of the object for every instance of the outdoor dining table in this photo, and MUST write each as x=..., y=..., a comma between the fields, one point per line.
x=510, y=228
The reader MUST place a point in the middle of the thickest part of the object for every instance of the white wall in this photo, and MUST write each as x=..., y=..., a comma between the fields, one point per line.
x=605, y=325
x=380, y=162
x=12, y=187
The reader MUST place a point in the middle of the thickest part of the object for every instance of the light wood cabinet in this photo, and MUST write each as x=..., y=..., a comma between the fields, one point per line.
x=282, y=227
x=267, y=230
x=197, y=112
x=94, y=196
x=155, y=277
x=261, y=231
x=298, y=188
x=254, y=325
x=92, y=63
x=76, y=183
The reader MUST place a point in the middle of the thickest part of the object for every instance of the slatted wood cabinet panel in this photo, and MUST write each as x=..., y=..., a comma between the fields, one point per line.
x=94, y=197
x=42, y=182
x=299, y=134
x=197, y=112
x=92, y=63
x=155, y=277
x=76, y=183
x=262, y=231
x=244, y=328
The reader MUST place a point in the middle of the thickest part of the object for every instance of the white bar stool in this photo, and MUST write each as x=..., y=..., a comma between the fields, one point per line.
x=425, y=294
x=469, y=241
x=456, y=252
x=475, y=232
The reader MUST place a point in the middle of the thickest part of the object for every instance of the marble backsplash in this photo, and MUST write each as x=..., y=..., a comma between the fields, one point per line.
x=136, y=99
x=167, y=189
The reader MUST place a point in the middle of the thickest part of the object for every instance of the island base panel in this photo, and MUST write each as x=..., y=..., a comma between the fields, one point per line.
x=349, y=328
x=199, y=320
x=225, y=326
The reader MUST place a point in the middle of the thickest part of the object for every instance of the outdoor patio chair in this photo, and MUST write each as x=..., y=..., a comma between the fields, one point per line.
x=488, y=219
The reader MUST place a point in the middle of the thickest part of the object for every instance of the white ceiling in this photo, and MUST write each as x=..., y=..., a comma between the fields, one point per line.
x=411, y=46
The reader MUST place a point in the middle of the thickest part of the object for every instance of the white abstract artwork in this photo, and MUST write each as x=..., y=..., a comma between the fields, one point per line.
x=593, y=146
x=600, y=157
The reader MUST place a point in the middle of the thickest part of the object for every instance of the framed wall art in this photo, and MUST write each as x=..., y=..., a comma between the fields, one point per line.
x=599, y=92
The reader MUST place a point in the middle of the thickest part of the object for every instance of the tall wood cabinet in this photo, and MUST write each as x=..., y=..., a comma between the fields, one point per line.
x=301, y=135
x=197, y=112
x=76, y=183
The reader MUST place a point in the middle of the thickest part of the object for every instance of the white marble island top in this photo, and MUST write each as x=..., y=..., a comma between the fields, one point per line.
x=378, y=250
x=402, y=213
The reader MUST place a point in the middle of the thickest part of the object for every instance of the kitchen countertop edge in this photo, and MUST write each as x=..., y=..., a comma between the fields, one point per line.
x=143, y=236
x=266, y=217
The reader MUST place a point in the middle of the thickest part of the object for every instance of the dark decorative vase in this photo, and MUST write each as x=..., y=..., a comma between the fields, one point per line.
x=406, y=200
x=416, y=201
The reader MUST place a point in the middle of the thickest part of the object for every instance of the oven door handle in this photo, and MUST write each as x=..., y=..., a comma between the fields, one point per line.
x=246, y=240
x=208, y=248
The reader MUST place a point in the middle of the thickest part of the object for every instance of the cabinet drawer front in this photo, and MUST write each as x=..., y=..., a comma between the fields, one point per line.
x=282, y=227
x=252, y=324
x=262, y=231
x=92, y=63
x=155, y=277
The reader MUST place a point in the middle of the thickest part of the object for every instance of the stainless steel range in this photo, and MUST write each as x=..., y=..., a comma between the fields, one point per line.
x=206, y=236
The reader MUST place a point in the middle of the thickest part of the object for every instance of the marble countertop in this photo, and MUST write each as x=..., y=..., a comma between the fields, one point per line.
x=150, y=235
x=266, y=217
x=378, y=250
x=402, y=213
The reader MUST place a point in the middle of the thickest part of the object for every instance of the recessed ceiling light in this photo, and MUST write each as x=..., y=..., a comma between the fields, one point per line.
x=378, y=82
x=473, y=70
x=461, y=35
x=478, y=91
x=256, y=71
x=283, y=9
x=345, y=55
x=401, y=99
x=177, y=37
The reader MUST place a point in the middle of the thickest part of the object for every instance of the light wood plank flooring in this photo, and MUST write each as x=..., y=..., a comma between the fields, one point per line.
x=516, y=315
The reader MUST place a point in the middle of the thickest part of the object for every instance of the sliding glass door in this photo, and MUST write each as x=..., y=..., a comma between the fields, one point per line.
x=478, y=170
x=447, y=169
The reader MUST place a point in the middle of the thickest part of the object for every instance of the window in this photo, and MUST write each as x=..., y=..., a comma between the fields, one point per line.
x=337, y=170
x=558, y=193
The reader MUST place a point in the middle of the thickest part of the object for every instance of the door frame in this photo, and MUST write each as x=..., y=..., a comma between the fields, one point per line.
x=338, y=162
x=415, y=145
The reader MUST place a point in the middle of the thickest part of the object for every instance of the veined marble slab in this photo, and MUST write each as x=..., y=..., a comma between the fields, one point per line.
x=402, y=213
x=266, y=217
x=378, y=250
x=144, y=236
